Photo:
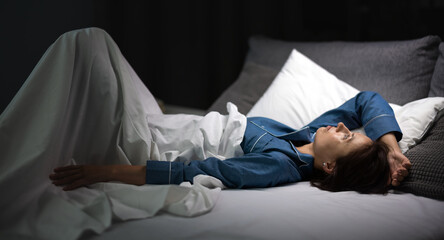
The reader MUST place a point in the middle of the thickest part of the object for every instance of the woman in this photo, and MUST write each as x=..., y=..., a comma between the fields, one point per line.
x=325, y=151
x=276, y=154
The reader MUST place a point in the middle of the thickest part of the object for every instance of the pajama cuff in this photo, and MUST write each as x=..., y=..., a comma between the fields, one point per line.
x=161, y=172
x=382, y=124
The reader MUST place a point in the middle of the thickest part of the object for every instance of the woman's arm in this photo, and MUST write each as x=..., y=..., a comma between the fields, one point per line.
x=367, y=109
x=250, y=170
x=267, y=169
x=76, y=176
x=399, y=164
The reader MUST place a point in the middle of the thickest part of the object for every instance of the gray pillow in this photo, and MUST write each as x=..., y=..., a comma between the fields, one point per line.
x=426, y=177
x=247, y=89
x=401, y=71
x=437, y=84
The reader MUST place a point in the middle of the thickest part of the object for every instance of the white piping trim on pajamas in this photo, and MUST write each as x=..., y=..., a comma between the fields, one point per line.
x=279, y=136
x=257, y=141
x=169, y=177
x=300, y=159
x=382, y=115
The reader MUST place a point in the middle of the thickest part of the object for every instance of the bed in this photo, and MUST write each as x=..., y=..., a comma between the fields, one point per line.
x=402, y=71
x=409, y=74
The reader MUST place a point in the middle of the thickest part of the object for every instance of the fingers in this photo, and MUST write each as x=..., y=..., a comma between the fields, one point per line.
x=71, y=176
x=67, y=168
x=398, y=177
x=395, y=183
x=67, y=180
x=396, y=180
x=407, y=164
x=401, y=173
x=404, y=161
x=64, y=174
x=399, y=165
x=76, y=176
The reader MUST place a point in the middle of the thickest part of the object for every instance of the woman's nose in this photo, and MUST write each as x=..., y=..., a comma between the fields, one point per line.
x=342, y=128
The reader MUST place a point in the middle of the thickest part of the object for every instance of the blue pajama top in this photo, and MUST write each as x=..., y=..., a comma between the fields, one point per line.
x=270, y=156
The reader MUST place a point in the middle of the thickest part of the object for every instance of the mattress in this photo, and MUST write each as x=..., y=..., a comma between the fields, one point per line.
x=296, y=211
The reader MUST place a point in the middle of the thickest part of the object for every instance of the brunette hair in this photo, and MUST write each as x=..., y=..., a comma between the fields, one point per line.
x=365, y=170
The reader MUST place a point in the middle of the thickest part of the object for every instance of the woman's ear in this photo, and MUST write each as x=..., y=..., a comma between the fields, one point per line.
x=328, y=167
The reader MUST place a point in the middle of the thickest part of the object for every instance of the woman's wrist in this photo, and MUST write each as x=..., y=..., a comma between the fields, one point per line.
x=390, y=140
x=113, y=173
x=128, y=174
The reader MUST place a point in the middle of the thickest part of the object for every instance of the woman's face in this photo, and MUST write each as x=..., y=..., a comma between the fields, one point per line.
x=332, y=143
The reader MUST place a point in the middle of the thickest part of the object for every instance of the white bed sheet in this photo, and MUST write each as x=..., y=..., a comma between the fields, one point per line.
x=296, y=211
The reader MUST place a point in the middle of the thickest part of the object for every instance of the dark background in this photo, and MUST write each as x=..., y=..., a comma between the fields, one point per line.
x=188, y=52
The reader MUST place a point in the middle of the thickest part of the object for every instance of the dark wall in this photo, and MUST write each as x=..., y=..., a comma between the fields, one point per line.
x=188, y=52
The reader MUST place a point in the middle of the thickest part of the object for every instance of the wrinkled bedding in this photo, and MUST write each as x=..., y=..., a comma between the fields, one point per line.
x=84, y=104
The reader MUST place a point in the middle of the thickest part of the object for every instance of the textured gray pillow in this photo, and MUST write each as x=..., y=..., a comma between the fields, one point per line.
x=247, y=89
x=401, y=71
x=437, y=84
x=426, y=177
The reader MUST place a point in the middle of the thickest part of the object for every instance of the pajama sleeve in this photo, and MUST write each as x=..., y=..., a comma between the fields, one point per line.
x=367, y=109
x=250, y=170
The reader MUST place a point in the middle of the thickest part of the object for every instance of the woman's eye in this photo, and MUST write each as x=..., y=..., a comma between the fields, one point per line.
x=346, y=136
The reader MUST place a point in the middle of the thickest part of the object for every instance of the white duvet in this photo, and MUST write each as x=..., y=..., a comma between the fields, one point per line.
x=84, y=104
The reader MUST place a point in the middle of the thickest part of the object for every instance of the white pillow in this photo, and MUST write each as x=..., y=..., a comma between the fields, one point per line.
x=303, y=91
x=415, y=118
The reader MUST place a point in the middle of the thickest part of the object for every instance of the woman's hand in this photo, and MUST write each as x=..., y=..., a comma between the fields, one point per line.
x=399, y=164
x=76, y=176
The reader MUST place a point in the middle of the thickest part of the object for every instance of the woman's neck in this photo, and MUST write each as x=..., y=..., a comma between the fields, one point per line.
x=308, y=149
